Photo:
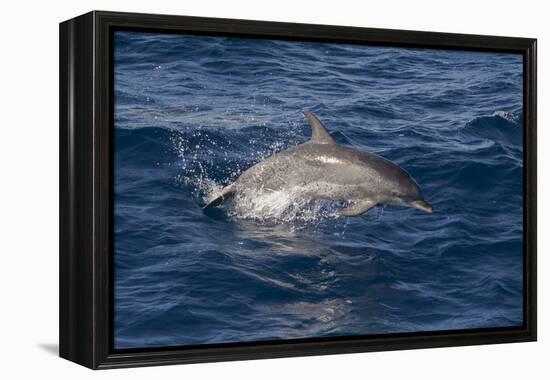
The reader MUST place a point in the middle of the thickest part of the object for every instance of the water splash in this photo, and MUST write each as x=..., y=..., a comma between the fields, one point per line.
x=208, y=164
x=287, y=206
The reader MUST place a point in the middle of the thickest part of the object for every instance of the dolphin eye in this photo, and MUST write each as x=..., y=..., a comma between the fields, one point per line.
x=394, y=193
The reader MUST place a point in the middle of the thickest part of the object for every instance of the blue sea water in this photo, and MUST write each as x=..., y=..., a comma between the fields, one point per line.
x=193, y=112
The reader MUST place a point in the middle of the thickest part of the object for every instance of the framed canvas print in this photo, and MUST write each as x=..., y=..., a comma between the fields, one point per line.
x=237, y=189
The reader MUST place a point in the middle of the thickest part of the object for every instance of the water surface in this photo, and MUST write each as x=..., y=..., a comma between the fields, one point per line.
x=192, y=113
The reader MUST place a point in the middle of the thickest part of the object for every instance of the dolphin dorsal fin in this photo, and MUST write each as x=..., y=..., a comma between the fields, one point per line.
x=319, y=134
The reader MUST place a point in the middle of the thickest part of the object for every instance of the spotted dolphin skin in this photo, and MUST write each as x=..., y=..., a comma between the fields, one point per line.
x=323, y=169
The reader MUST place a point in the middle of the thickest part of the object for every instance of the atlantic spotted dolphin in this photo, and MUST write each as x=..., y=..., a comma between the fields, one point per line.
x=323, y=169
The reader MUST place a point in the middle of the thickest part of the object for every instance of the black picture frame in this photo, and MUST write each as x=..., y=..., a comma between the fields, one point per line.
x=86, y=186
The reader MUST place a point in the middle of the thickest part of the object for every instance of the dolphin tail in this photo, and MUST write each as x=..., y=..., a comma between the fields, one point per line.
x=227, y=193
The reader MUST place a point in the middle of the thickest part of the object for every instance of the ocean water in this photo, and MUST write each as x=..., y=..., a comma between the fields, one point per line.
x=193, y=112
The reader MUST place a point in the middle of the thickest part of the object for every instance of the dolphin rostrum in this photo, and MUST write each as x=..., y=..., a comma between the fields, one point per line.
x=323, y=169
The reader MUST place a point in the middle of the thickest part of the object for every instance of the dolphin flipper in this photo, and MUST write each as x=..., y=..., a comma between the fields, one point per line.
x=227, y=192
x=357, y=208
x=319, y=134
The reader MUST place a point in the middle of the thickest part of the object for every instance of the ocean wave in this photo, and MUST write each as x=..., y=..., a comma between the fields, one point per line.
x=210, y=158
x=503, y=127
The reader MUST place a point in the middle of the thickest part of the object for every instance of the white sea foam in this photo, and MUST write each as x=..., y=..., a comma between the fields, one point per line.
x=508, y=116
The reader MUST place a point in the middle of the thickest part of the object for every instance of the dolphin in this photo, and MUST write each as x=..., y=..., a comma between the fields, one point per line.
x=323, y=169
